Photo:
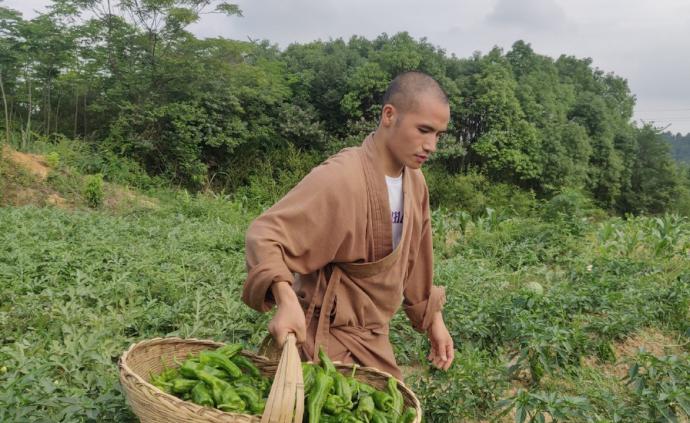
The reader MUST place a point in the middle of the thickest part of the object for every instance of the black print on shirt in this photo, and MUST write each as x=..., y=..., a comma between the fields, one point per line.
x=397, y=217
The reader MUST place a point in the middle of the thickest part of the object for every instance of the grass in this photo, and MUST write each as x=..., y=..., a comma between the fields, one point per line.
x=79, y=286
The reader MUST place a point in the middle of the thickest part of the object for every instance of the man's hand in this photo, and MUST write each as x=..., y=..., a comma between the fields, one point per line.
x=442, y=352
x=289, y=317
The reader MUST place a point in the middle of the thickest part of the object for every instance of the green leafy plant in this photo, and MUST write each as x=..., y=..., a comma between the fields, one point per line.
x=536, y=407
x=93, y=190
x=53, y=159
x=660, y=386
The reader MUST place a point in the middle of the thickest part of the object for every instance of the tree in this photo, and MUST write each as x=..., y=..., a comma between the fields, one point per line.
x=654, y=181
x=509, y=148
x=10, y=21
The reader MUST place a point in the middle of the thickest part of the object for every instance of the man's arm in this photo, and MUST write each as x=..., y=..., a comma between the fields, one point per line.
x=301, y=233
x=423, y=301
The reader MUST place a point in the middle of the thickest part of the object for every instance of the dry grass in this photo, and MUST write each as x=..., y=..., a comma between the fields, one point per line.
x=23, y=182
x=26, y=182
x=33, y=163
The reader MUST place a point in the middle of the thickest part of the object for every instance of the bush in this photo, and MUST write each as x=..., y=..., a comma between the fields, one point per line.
x=271, y=177
x=681, y=203
x=458, y=191
x=569, y=203
x=474, y=193
x=53, y=159
x=88, y=158
x=93, y=190
x=511, y=200
x=570, y=208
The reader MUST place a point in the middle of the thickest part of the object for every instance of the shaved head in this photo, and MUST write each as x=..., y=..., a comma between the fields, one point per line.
x=407, y=87
x=415, y=114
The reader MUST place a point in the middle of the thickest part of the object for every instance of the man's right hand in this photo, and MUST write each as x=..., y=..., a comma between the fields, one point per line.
x=289, y=317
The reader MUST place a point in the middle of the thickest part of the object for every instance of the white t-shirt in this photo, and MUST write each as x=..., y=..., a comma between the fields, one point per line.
x=395, y=199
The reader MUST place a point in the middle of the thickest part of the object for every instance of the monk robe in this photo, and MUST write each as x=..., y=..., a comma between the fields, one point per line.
x=330, y=237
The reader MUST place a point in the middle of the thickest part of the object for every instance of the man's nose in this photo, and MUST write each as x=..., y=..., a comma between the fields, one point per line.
x=430, y=144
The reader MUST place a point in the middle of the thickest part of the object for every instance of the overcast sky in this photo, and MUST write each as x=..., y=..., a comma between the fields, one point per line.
x=646, y=42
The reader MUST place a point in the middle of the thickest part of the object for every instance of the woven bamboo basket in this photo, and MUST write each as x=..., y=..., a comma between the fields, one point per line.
x=152, y=405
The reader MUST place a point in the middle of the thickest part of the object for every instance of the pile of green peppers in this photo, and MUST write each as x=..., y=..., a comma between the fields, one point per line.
x=222, y=378
x=332, y=397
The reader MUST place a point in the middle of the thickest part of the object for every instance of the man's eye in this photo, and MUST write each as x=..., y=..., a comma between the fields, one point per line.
x=423, y=130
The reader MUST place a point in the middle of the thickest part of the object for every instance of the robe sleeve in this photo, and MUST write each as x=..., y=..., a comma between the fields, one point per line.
x=422, y=299
x=301, y=233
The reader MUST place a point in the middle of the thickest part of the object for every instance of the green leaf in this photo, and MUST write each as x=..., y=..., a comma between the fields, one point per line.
x=229, y=9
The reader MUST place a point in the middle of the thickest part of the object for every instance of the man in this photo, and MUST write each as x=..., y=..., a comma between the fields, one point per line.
x=352, y=241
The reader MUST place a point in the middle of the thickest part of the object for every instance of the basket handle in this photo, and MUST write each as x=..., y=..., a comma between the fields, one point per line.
x=285, y=402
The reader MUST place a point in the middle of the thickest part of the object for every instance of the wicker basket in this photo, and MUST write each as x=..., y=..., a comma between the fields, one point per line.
x=152, y=405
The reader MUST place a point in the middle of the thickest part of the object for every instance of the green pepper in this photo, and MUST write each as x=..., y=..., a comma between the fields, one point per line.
x=230, y=400
x=182, y=385
x=246, y=364
x=394, y=392
x=326, y=363
x=201, y=395
x=229, y=350
x=162, y=385
x=365, y=388
x=408, y=416
x=365, y=408
x=251, y=398
x=318, y=394
x=170, y=374
x=217, y=385
x=214, y=371
x=216, y=359
x=190, y=367
x=354, y=386
x=343, y=389
x=344, y=417
x=264, y=385
x=163, y=380
x=378, y=417
x=383, y=401
x=335, y=404
x=308, y=376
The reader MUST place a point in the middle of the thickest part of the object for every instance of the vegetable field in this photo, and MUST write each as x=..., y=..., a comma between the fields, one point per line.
x=560, y=313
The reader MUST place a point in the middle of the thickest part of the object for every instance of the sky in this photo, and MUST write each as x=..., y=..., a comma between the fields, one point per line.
x=646, y=42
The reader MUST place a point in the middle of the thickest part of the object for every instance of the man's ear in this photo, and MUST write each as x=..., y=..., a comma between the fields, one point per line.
x=389, y=115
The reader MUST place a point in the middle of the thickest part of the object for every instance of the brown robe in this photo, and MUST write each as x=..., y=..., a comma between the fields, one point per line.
x=331, y=238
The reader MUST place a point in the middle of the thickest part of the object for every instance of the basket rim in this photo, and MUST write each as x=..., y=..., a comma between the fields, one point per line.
x=125, y=370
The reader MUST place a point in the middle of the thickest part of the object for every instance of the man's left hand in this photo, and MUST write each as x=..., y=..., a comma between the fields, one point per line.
x=442, y=352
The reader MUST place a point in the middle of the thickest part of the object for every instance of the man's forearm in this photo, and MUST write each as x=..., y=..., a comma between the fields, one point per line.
x=437, y=319
x=283, y=293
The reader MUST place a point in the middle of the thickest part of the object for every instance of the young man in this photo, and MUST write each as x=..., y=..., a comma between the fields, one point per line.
x=352, y=241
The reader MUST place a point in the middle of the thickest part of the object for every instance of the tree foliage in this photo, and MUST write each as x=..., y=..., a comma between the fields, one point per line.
x=129, y=77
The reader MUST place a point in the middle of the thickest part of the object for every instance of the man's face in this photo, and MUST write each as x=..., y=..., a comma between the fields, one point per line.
x=415, y=133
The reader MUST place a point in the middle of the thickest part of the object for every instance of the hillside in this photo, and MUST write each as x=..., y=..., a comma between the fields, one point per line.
x=34, y=179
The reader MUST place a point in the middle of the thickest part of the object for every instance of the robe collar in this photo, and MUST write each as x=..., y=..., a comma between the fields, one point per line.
x=377, y=191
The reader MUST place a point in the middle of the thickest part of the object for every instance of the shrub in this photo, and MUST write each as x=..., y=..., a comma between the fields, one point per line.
x=93, y=190
x=53, y=159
